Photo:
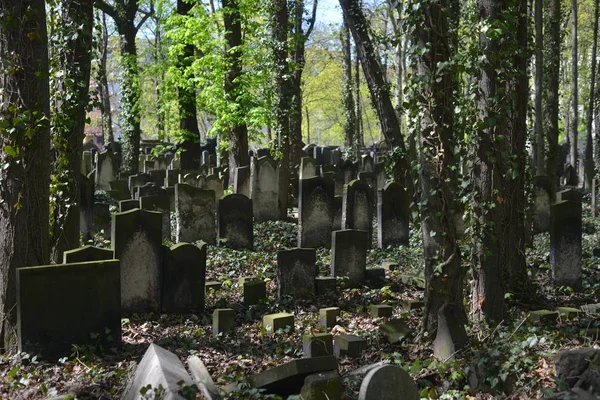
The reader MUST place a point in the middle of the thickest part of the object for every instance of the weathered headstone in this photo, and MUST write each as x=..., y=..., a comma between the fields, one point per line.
x=126, y=205
x=120, y=189
x=328, y=317
x=195, y=213
x=158, y=176
x=264, y=189
x=451, y=335
x=541, y=192
x=296, y=272
x=392, y=216
x=102, y=219
x=565, y=243
x=86, y=163
x=349, y=345
x=137, y=238
x=184, y=276
x=349, y=256
x=317, y=345
x=357, y=208
x=241, y=183
x=274, y=322
x=366, y=163
x=255, y=291
x=138, y=180
x=388, y=382
x=62, y=305
x=106, y=169
x=568, y=194
x=315, y=212
x=322, y=386
x=172, y=177
x=235, y=221
x=161, y=204
x=308, y=168
x=214, y=183
x=86, y=205
x=149, y=189
x=338, y=202
x=85, y=254
x=223, y=320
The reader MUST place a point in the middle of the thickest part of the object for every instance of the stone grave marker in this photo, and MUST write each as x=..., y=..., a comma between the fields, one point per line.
x=195, y=213
x=214, y=183
x=451, y=335
x=264, y=189
x=86, y=205
x=392, y=216
x=184, y=276
x=102, y=219
x=542, y=200
x=235, y=221
x=366, y=163
x=388, y=382
x=349, y=256
x=223, y=320
x=296, y=272
x=357, y=208
x=308, y=168
x=85, y=254
x=149, y=189
x=106, y=170
x=126, y=205
x=120, y=189
x=136, y=181
x=241, y=182
x=337, y=213
x=315, y=212
x=161, y=204
x=565, y=243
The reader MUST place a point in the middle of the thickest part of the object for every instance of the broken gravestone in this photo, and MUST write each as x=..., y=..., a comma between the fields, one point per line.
x=451, y=335
x=388, y=382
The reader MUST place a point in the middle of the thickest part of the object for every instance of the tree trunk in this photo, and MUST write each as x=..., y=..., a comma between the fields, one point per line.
x=359, y=137
x=589, y=152
x=539, y=76
x=575, y=94
x=238, y=134
x=552, y=68
x=107, y=131
x=24, y=150
x=71, y=97
x=444, y=279
x=347, y=97
x=378, y=88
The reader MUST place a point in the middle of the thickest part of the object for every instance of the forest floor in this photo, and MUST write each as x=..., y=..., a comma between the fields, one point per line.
x=511, y=360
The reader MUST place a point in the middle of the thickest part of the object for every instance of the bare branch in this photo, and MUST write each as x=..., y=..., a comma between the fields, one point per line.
x=106, y=8
x=312, y=19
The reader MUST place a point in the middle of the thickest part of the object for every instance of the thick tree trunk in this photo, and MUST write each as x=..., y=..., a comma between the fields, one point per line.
x=589, y=145
x=539, y=76
x=378, y=88
x=107, y=131
x=24, y=150
x=574, y=91
x=347, y=90
x=72, y=97
x=359, y=137
x=444, y=279
x=552, y=68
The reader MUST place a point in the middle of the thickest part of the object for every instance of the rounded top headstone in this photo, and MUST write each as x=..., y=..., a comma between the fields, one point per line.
x=388, y=382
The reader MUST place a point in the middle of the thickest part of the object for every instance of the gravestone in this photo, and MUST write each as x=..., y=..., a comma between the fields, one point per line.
x=326, y=156
x=337, y=213
x=366, y=163
x=241, y=182
x=148, y=166
x=172, y=177
x=357, y=208
x=388, y=382
x=160, y=163
x=336, y=156
x=568, y=194
x=85, y=254
x=296, y=272
x=349, y=256
x=380, y=175
x=106, y=169
x=136, y=181
x=392, y=216
x=62, y=305
x=149, y=189
x=317, y=152
x=120, y=189
x=565, y=243
x=235, y=221
x=137, y=238
x=451, y=335
x=541, y=192
x=86, y=163
x=214, y=183
x=126, y=205
x=315, y=212
x=195, y=214
x=158, y=176
x=264, y=189
x=86, y=205
x=184, y=276
x=102, y=219
x=308, y=168
x=159, y=203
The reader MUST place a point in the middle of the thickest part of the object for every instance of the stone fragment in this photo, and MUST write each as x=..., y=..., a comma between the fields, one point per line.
x=212, y=285
x=568, y=312
x=325, y=285
x=409, y=305
x=322, y=386
x=274, y=322
x=451, y=335
x=388, y=382
x=317, y=345
x=381, y=310
x=579, y=368
x=543, y=316
x=591, y=308
x=254, y=292
x=349, y=345
x=395, y=330
x=202, y=378
x=223, y=320
x=328, y=317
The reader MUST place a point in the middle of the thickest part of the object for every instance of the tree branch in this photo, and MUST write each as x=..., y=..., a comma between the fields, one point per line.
x=312, y=19
x=106, y=8
x=147, y=14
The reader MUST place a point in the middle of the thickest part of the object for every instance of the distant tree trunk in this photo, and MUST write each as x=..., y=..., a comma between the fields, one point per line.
x=107, y=131
x=307, y=124
x=347, y=97
x=283, y=94
x=359, y=137
x=378, y=88
x=238, y=134
x=589, y=152
x=72, y=97
x=575, y=94
x=552, y=68
x=398, y=59
x=188, y=119
x=158, y=79
x=539, y=76
x=24, y=152
x=444, y=279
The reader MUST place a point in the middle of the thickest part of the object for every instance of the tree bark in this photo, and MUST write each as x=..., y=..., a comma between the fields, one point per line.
x=575, y=94
x=107, y=131
x=238, y=134
x=347, y=90
x=359, y=137
x=552, y=68
x=589, y=151
x=434, y=95
x=24, y=150
x=539, y=76
x=72, y=98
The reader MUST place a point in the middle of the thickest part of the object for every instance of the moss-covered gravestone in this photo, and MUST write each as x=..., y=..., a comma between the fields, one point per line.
x=137, y=238
x=565, y=243
x=85, y=254
x=349, y=256
x=102, y=219
x=296, y=272
x=264, y=188
x=392, y=216
x=126, y=205
x=214, y=183
x=138, y=180
x=357, y=208
x=120, y=189
x=106, y=169
x=308, y=168
x=235, y=221
x=184, y=276
x=315, y=212
x=388, y=382
x=195, y=212
x=62, y=305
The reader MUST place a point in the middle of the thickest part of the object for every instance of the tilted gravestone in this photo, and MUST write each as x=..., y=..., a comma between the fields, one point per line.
x=184, y=275
x=542, y=188
x=106, y=169
x=392, y=216
x=195, y=213
x=137, y=243
x=296, y=272
x=62, y=305
x=451, y=335
x=357, y=207
x=264, y=189
x=315, y=212
x=149, y=189
x=565, y=243
x=349, y=256
x=388, y=382
x=85, y=254
x=86, y=205
x=159, y=203
x=241, y=182
x=235, y=221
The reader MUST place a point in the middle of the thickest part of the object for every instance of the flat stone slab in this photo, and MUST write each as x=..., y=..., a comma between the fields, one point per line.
x=288, y=378
x=158, y=367
x=543, y=316
x=349, y=345
x=322, y=386
x=381, y=310
x=388, y=382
